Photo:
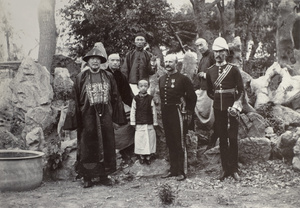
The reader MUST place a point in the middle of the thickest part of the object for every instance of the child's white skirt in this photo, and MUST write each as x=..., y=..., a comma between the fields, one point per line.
x=144, y=139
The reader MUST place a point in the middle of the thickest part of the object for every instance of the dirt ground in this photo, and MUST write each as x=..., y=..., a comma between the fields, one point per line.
x=265, y=185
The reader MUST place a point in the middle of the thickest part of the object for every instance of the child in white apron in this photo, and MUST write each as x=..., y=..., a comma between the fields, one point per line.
x=143, y=116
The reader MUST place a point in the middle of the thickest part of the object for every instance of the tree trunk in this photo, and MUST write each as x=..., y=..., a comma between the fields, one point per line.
x=7, y=36
x=284, y=39
x=240, y=28
x=48, y=35
x=198, y=13
x=221, y=7
x=157, y=52
x=200, y=9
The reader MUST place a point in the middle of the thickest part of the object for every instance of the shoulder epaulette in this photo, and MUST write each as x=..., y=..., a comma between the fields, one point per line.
x=232, y=64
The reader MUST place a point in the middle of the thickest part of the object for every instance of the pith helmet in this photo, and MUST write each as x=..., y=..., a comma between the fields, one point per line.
x=220, y=44
x=95, y=52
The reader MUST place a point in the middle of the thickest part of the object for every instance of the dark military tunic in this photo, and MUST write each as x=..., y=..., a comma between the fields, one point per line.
x=174, y=87
x=224, y=95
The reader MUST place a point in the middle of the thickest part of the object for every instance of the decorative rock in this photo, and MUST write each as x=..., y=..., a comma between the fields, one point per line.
x=254, y=149
x=65, y=62
x=67, y=171
x=6, y=110
x=35, y=139
x=252, y=125
x=293, y=102
x=62, y=84
x=286, y=144
x=9, y=141
x=42, y=116
x=296, y=149
x=277, y=85
x=189, y=66
x=31, y=86
x=6, y=118
x=192, y=145
x=211, y=158
x=157, y=167
x=269, y=132
x=289, y=116
x=275, y=152
x=296, y=163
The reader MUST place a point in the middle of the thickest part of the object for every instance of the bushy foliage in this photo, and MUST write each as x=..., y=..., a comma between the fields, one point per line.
x=258, y=66
x=184, y=25
x=166, y=194
x=256, y=20
x=114, y=23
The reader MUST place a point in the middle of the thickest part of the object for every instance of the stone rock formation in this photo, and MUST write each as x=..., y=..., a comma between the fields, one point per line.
x=286, y=144
x=254, y=149
x=60, y=61
x=277, y=85
x=296, y=158
x=30, y=87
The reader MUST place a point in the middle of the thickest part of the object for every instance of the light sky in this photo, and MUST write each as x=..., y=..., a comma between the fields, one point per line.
x=23, y=16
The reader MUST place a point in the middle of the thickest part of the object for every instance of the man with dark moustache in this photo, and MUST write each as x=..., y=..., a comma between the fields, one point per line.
x=225, y=87
x=176, y=91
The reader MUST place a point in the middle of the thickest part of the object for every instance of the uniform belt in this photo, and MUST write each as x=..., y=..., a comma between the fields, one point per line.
x=171, y=104
x=226, y=91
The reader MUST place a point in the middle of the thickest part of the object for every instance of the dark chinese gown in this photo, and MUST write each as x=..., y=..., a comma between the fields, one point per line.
x=95, y=107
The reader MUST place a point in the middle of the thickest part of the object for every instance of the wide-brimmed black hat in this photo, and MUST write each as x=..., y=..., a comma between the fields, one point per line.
x=95, y=52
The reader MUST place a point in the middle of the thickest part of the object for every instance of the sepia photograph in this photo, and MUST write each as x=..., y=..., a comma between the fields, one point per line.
x=150, y=103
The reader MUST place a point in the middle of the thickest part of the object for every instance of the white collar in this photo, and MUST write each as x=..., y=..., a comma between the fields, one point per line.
x=221, y=64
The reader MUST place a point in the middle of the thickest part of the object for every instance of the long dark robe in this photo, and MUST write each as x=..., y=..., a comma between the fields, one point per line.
x=95, y=133
x=123, y=86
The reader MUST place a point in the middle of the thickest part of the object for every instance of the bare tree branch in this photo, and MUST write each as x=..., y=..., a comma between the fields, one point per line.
x=178, y=38
x=184, y=21
x=209, y=6
x=186, y=33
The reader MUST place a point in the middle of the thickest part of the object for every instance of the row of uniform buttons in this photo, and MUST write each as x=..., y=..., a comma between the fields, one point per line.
x=167, y=81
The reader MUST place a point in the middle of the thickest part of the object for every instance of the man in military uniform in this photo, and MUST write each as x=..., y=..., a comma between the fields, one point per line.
x=177, y=95
x=225, y=87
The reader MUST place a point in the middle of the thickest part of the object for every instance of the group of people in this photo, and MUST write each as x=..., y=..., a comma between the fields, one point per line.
x=99, y=95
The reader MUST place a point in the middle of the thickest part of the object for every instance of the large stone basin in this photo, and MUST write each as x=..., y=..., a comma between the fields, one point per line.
x=20, y=170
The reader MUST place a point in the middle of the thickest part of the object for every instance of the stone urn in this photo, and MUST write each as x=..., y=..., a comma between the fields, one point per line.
x=20, y=170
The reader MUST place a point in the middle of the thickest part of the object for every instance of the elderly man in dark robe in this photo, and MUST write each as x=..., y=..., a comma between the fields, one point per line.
x=124, y=134
x=96, y=105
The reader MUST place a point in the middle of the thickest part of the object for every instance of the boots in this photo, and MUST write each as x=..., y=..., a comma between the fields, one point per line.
x=87, y=182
